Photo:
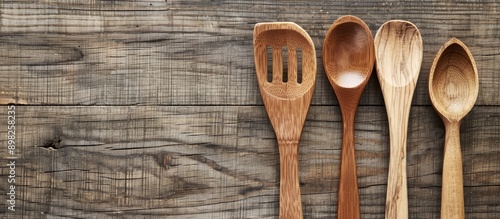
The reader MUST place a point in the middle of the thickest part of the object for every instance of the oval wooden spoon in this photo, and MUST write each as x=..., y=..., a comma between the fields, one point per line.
x=348, y=57
x=286, y=103
x=453, y=88
x=398, y=50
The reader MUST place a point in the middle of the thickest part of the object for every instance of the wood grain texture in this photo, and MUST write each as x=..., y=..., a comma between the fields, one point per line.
x=222, y=162
x=398, y=51
x=151, y=109
x=286, y=100
x=348, y=57
x=452, y=193
x=453, y=89
x=148, y=52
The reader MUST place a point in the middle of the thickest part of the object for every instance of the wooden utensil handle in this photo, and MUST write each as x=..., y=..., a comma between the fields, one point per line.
x=452, y=198
x=348, y=195
x=396, y=206
x=290, y=203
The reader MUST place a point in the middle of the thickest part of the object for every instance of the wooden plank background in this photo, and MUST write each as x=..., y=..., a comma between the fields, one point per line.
x=150, y=109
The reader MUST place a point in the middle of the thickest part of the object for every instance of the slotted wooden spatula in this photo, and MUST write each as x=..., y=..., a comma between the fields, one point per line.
x=286, y=100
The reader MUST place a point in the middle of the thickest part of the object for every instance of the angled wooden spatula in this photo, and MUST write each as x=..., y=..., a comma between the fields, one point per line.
x=399, y=52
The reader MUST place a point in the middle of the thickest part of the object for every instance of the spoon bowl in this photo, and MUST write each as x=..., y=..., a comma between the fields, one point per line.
x=453, y=81
x=348, y=57
x=348, y=53
x=399, y=60
x=453, y=89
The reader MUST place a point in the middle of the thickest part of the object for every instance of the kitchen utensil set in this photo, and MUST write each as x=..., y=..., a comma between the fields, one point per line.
x=349, y=53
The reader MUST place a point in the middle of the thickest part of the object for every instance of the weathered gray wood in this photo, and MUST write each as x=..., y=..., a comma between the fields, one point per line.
x=222, y=162
x=199, y=145
x=180, y=52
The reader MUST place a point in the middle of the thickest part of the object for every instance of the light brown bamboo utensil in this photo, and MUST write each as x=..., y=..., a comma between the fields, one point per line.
x=398, y=50
x=453, y=88
x=287, y=102
x=348, y=57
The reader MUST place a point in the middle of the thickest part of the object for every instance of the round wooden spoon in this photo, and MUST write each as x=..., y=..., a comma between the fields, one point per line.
x=453, y=88
x=348, y=57
x=398, y=50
